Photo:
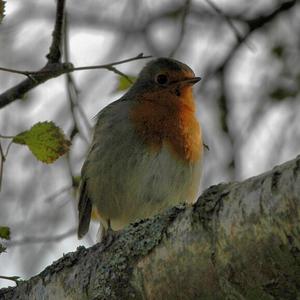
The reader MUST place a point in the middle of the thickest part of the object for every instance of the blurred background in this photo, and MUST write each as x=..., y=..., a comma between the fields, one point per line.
x=247, y=53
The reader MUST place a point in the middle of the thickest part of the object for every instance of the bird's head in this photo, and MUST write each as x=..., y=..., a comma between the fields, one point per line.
x=165, y=77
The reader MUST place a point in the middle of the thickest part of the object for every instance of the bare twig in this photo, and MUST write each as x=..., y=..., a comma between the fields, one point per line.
x=6, y=136
x=228, y=20
x=54, y=54
x=14, y=71
x=8, y=147
x=108, y=66
x=72, y=90
x=51, y=71
x=115, y=70
x=75, y=103
x=183, y=24
x=73, y=96
x=68, y=67
x=260, y=21
x=53, y=68
x=15, y=279
x=2, y=156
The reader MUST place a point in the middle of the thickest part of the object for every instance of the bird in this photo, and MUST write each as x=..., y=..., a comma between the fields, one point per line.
x=146, y=153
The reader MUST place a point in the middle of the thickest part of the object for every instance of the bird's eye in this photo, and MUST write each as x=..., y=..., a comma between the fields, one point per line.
x=162, y=79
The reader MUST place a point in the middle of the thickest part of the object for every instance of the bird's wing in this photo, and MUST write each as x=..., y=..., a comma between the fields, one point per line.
x=111, y=114
x=84, y=209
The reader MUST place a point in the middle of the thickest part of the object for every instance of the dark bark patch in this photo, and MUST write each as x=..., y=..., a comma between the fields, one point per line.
x=296, y=169
x=275, y=181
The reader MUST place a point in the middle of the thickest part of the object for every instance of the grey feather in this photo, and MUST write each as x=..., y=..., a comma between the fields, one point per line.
x=85, y=210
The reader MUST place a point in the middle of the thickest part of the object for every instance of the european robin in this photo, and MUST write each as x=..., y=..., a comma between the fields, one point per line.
x=146, y=153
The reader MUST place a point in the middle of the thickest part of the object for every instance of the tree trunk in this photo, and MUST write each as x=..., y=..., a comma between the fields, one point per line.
x=239, y=241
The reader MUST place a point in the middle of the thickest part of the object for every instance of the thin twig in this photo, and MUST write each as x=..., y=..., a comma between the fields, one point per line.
x=64, y=69
x=78, y=106
x=49, y=72
x=73, y=96
x=16, y=279
x=185, y=12
x=115, y=70
x=6, y=136
x=80, y=110
x=53, y=68
x=108, y=66
x=2, y=156
x=54, y=54
x=228, y=20
x=8, y=147
x=14, y=71
x=72, y=90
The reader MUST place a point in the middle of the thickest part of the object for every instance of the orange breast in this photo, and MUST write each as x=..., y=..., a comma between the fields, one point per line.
x=164, y=118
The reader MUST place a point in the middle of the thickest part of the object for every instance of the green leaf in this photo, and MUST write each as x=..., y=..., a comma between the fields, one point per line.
x=4, y=233
x=45, y=140
x=124, y=83
x=2, y=10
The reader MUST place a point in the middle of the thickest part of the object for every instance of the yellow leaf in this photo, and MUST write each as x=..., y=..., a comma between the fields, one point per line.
x=125, y=83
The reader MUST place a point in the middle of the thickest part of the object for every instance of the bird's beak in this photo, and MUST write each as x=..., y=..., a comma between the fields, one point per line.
x=190, y=81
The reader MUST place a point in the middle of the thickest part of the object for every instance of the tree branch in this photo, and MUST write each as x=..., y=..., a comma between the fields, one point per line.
x=239, y=239
x=53, y=67
x=54, y=55
x=48, y=72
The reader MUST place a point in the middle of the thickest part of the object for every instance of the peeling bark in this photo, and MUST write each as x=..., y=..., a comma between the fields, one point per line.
x=239, y=241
